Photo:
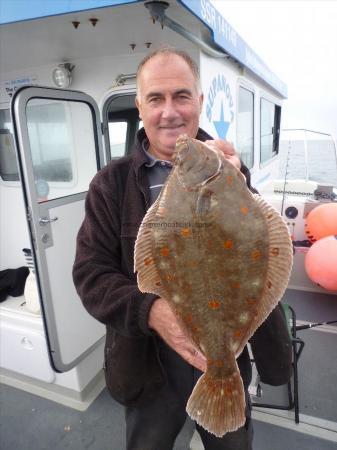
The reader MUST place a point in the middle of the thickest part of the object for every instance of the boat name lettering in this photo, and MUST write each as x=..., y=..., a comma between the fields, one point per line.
x=217, y=22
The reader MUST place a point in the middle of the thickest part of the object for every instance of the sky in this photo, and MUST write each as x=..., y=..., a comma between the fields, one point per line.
x=298, y=42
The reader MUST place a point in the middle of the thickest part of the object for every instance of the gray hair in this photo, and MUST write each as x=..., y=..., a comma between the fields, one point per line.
x=167, y=51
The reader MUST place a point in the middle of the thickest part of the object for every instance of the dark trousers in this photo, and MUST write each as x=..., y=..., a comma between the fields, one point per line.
x=154, y=424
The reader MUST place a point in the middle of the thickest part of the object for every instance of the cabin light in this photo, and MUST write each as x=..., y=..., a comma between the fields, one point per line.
x=62, y=76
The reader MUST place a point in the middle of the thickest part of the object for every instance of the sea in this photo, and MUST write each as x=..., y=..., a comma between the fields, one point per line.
x=312, y=159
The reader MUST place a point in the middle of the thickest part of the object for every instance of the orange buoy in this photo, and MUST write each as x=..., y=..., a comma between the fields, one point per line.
x=321, y=263
x=321, y=222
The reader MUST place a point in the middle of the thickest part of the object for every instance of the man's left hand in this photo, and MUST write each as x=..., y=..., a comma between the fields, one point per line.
x=227, y=149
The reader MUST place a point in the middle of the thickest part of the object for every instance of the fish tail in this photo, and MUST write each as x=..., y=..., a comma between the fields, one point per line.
x=218, y=404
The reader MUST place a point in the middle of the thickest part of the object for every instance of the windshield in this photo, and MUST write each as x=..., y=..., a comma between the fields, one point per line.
x=308, y=155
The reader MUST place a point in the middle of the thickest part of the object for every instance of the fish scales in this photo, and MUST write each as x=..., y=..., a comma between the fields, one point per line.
x=221, y=257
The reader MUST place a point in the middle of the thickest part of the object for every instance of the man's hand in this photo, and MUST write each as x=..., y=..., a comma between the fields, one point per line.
x=164, y=322
x=227, y=149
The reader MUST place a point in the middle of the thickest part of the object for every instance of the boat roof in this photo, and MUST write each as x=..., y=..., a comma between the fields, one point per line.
x=222, y=33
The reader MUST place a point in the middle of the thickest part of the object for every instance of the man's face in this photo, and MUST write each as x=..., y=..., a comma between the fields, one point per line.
x=169, y=102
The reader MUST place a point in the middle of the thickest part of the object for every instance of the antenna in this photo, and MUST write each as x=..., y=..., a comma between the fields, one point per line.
x=285, y=177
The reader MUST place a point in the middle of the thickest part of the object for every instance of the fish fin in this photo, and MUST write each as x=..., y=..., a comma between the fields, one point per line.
x=148, y=278
x=279, y=266
x=218, y=404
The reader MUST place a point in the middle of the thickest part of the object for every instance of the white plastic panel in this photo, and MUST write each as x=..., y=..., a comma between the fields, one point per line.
x=25, y=351
x=14, y=234
x=75, y=328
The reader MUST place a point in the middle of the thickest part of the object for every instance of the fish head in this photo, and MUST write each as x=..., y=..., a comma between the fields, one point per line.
x=196, y=162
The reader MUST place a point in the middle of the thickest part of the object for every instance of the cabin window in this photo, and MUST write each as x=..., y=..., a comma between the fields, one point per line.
x=245, y=126
x=118, y=135
x=8, y=161
x=50, y=140
x=61, y=144
x=122, y=119
x=270, y=115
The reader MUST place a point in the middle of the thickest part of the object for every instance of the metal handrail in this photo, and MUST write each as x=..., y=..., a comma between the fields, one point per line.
x=306, y=130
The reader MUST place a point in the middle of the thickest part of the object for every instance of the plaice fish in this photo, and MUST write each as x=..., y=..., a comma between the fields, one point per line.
x=221, y=257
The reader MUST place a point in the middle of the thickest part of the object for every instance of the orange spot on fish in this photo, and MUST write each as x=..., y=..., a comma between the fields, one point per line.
x=158, y=283
x=214, y=304
x=269, y=284
x=188, y=318
x=228, y=391
x=148, y=261
x=244, y=210
x=170, y=277
x=216, y=363
x=235, y=285
x=251, y=301
x=165, y=251
x=228, y=244
x=229, y=179
x=186, y=232
x=255, y=255
x=275, y=251
x=238, y=333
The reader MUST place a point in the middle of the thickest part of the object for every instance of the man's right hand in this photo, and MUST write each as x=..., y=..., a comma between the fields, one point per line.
x=164, y=322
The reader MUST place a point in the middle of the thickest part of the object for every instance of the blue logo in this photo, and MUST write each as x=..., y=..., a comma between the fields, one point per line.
x=219, y=107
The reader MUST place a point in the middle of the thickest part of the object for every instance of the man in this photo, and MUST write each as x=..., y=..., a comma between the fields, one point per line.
x=150, y=365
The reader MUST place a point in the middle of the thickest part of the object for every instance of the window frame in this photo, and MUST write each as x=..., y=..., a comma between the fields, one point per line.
x=52, y=182
x=10, y=132
x=250, y=89
x=276, y=126
x=121, y=115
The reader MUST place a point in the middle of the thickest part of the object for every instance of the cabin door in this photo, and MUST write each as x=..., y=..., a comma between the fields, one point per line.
x=59, y=147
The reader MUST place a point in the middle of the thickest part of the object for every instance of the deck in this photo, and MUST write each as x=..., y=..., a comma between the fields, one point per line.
x=32, y=422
